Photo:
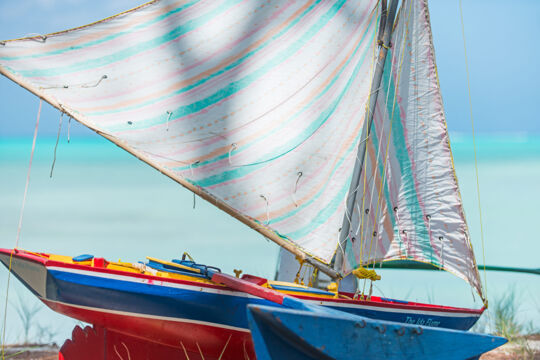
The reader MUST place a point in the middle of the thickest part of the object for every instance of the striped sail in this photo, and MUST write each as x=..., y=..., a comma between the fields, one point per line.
x=408, y=205
x=257, y=106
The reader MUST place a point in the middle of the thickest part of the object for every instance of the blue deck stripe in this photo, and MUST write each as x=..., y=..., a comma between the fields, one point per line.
x=302, y=290
x=229, y=310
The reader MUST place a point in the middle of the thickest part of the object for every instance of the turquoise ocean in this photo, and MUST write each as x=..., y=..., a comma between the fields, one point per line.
x=102, y=201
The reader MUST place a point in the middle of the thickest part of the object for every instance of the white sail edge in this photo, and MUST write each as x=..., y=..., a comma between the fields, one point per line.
x=405, y=214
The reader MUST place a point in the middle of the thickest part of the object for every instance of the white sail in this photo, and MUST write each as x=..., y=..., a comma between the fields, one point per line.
x=255, y=106
x=408, y=204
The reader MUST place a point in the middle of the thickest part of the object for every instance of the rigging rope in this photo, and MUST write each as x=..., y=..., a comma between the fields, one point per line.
x=69, y=126
x=474, y=148
x=394, y=101
x=364, y=172
x=19, y=228
x=56, y=145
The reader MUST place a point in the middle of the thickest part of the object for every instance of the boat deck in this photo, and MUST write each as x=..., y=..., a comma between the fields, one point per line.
x=187, y=271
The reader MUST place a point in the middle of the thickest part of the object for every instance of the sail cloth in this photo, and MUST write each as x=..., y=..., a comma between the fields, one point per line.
x=408, y=204
x=258, y=105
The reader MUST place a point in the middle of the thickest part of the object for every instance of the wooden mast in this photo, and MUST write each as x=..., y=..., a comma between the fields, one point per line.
x=384, y=45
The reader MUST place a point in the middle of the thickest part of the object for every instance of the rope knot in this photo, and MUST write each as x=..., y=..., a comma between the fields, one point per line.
x=381, y=43
x=363, y=273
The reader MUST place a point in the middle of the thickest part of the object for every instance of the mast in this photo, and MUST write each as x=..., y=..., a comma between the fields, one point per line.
x=384, y=45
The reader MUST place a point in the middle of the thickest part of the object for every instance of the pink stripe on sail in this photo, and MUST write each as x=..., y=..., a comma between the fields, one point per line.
x=208, y=86
x=200, y=75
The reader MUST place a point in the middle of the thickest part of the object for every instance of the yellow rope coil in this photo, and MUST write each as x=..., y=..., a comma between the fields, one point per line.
x=363, y=273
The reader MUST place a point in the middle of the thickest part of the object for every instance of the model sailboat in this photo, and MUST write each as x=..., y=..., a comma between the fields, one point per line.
x=260, y=108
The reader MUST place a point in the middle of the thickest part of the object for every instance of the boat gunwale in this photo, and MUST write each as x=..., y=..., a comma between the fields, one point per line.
x=23, y=254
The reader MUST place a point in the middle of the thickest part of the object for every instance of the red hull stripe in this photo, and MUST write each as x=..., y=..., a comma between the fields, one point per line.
x=211, y=338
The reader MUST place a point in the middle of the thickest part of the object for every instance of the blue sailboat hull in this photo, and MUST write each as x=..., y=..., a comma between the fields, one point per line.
x=325, y=334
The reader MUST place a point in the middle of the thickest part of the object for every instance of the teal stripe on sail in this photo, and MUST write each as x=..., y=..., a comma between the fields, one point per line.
x=402, y=156
x=133, y=50
x=291, y=145
x=352, y=147
x=349, y=253
x=193, y=85
x=323, y=215
x=299, y=139
x=238, y=85
x=104, y=39
x=295, y=116
x=375, y=140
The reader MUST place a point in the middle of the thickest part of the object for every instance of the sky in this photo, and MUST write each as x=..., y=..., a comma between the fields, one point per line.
x=500, y=35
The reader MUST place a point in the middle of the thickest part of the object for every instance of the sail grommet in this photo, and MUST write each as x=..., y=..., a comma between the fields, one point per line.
x=418, y=330
x=400, y=331
x=130, y=122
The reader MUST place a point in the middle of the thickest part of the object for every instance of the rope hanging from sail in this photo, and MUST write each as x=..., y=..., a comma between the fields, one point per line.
x=56, y=144
x=19, y=227
x=68, y=130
